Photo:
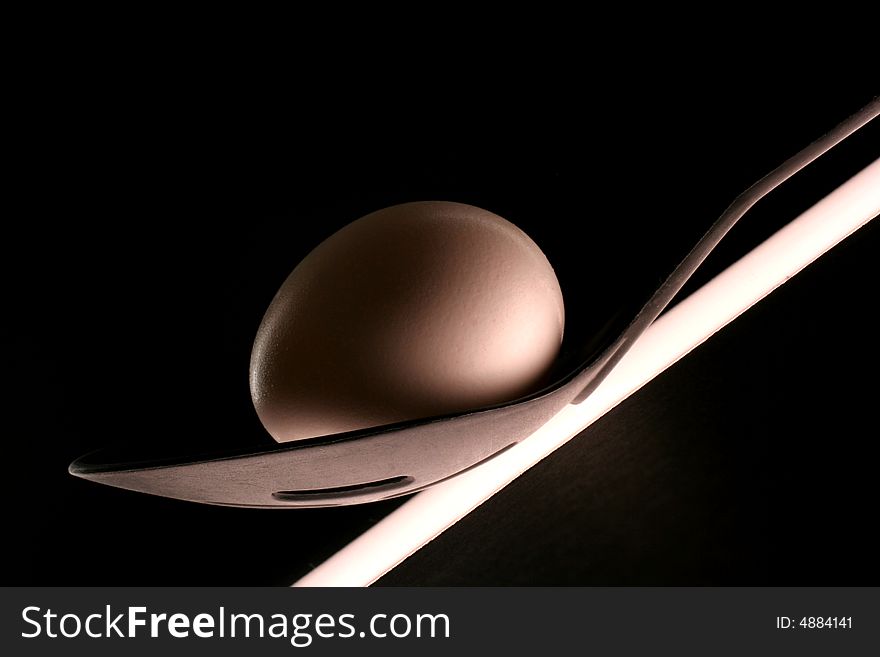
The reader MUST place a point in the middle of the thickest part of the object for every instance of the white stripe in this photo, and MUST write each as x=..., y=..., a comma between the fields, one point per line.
x=672, y=336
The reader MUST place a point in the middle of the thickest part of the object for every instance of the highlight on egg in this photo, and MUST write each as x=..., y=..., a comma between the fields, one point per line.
x=412, y=311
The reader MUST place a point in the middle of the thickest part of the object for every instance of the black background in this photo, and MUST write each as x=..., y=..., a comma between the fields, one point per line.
x=157, y=226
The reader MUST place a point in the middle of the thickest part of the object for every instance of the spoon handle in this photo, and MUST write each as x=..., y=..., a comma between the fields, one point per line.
x=734, y=212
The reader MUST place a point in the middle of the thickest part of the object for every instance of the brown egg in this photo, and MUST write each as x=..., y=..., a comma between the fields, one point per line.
x=416, y=310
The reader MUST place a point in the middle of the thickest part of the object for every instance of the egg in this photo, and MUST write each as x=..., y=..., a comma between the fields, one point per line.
x=416, y=310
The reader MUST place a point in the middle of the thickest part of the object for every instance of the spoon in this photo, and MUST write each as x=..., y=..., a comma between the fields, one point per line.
x=388, y=461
